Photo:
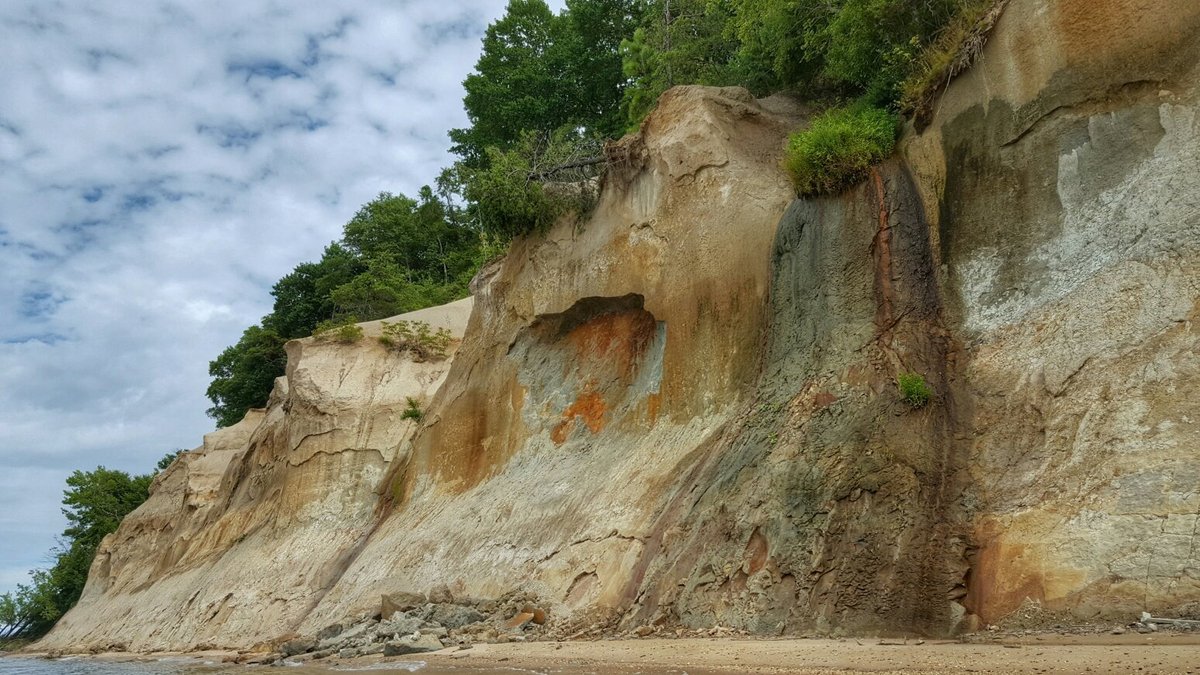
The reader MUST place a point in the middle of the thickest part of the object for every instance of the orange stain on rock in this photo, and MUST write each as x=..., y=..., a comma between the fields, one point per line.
x=589, y=407
x=617, y=339
x=653, y=403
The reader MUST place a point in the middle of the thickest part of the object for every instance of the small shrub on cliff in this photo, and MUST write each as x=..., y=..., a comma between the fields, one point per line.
x=344, y=330
x=836, y=151
x=954, y=50
x=417, y=338
x=413, y=411
x=913, y=389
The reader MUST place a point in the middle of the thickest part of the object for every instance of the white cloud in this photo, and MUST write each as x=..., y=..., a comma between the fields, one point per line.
x=161, y=165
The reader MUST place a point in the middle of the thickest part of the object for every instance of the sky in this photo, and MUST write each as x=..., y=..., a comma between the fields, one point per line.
x=162, y=164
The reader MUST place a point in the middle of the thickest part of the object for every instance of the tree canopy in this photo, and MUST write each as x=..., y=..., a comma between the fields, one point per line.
x=546, y=93
x=94, y=503
x=396, y=255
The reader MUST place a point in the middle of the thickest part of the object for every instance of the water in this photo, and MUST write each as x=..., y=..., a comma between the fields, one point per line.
x=168, y=666
x=191, y=666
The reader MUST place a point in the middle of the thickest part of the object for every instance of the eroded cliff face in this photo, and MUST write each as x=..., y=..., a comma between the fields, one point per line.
x=598, y=361
x=1068, y=225
x=242, y=536
x=1034, y=256
x=682, y=409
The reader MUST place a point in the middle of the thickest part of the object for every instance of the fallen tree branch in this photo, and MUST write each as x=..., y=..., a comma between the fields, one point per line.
x=577, y=164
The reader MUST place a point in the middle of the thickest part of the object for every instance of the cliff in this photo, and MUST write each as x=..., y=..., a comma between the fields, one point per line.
x=682, y=409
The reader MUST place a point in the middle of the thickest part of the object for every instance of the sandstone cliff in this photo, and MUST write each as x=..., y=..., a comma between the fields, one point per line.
x=242, y=536
x=682, y=409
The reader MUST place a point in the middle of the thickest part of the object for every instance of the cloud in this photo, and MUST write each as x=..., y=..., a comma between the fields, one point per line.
x=161, y=165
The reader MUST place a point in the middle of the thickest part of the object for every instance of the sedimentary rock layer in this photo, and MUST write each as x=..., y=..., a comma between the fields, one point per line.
x=682, y=407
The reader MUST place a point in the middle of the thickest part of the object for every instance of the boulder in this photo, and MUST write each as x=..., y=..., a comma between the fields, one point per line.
x=455, y=616
x=400, y=625
x=329, y=631
x=441, y=595
x=412, y=644
x=298, y=646
x=391, y=603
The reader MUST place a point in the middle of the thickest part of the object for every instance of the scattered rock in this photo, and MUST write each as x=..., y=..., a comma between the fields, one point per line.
x=519, y=620
x=330, y=631
x=349, y=634
x=441, y=595
x=347, y=652
x=400, y=624
x=391, y=603
x=298, y=646
x=457, y=616
x=413, y=644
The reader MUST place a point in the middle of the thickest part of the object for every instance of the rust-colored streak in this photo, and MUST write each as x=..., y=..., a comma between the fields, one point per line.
x=882, y=248
x=653, y=404
x=588, y=407
x=823, y=399
x=614, y=341
x=1002, y=578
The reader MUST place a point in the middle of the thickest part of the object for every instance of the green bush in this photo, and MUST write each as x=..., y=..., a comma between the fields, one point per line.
x=344, y=330
x=413, y=411
x=913, y=389
x=836, y=151
x=417, y=338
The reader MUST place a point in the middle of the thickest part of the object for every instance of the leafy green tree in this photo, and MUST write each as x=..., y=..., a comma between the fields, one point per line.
x=592, y=46
x=167, y=460
x=244, y=373
x=396, y=255
x=678, y=42
x=302, y=297
x=517, y=84
x=94, y=503
x=526, y=189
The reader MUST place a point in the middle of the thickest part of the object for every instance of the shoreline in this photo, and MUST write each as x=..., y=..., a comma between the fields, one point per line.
x=1038, y=653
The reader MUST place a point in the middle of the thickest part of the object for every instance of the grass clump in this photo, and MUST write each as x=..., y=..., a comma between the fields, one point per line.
x=344, y=330
x=953, y=51
x=416, y=338
x=913, y=389
x=836, y=151
x=413, y=411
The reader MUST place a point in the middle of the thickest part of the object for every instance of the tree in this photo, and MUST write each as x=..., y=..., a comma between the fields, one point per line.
x=517, y=84
x=302, y=297
x=592, y=47
x=244, y=373
x=94, y=503
x=396, y=255
x=678, y=42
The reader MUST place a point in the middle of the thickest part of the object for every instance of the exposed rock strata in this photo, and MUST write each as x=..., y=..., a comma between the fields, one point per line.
x=1065, y=170
x=242, y=536
x=683, y=410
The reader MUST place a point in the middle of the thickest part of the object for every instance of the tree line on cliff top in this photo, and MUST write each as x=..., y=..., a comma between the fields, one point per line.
x=546, y=94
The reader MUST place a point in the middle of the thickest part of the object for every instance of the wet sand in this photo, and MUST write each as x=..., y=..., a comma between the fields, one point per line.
x=1038, y=654
x=1033, y=655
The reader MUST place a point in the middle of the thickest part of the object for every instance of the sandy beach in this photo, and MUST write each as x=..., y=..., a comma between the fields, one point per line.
x=1037, y=654
x=1032, y=654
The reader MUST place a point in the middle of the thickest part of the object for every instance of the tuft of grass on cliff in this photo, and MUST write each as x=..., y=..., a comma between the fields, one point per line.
x=838, y=149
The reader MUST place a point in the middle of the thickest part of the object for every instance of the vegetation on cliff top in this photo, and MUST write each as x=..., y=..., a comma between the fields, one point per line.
x=550, y=89
x=94, y=504
x=396, y=255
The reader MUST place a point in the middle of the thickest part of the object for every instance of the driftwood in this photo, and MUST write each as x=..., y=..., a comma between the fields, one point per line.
x=1191, y=623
